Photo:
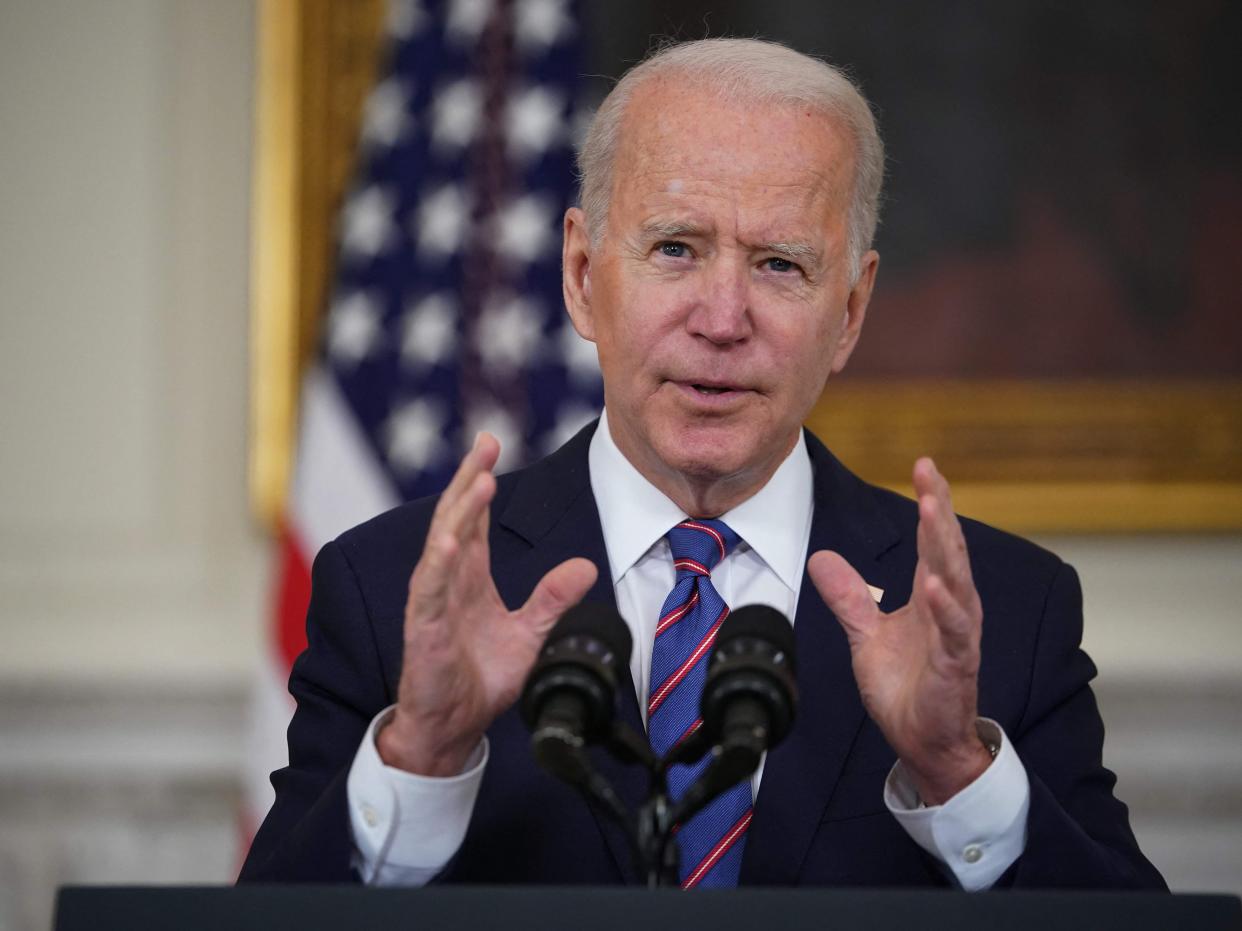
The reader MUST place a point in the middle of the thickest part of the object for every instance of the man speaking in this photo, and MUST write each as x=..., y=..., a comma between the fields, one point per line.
x=721, y=264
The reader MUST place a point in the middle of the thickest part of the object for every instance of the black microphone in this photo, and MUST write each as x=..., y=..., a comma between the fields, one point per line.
x=748, y=702
x=751, y=692
x=567, y=701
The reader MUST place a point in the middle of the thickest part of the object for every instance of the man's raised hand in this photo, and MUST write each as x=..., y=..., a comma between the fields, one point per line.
x=917, y=668
x=465, y=654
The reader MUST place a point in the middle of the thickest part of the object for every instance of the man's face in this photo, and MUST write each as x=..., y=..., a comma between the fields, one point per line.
x=719, y=297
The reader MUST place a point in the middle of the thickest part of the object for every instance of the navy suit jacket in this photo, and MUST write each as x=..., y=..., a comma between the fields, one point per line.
x=819, y=815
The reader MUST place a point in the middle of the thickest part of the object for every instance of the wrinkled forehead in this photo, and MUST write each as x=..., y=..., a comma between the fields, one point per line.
x=677, y=127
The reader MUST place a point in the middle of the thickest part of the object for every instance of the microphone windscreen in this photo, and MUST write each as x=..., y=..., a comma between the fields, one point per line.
x=597, y=622
x=760, y=622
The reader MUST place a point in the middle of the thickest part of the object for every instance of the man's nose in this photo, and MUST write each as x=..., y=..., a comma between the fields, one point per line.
x=722, y=311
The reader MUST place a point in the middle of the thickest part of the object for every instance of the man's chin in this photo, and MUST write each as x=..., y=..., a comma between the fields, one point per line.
x=707, y=452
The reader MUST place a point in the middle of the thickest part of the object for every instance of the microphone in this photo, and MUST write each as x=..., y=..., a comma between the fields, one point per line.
x=567, y=701
x=748, y=703
x=751, y=693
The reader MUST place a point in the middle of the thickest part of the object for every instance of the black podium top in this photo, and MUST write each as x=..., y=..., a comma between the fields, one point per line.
x=515, y=908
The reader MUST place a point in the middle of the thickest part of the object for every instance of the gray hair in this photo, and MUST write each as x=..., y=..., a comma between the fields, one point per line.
x=745, y=70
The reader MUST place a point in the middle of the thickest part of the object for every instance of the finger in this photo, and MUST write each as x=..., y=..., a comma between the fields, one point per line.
x=959, y=627
x=475, y=560
x=929, y=481
x=557, y=592
x=464, y=516
x=429, y=582
x=448, y=536
x=481, y=457
x=940, y=540
x=477, y=531
x=935, y=507
x=844, y=592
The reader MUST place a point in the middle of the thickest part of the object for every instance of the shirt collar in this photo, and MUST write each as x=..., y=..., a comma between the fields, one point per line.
x=634, y=515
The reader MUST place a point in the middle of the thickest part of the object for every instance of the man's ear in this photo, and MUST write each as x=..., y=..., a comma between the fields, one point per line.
x=856, y=310
x=576, y=273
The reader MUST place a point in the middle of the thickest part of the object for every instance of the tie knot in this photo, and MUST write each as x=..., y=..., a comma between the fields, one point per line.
x=699, y=545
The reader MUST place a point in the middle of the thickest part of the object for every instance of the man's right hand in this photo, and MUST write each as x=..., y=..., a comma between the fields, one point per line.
x=466, y=655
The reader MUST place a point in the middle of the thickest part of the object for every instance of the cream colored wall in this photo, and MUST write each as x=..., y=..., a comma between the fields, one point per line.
x=1160, y=607
x=131, y=578
x=125, y=546
x=132, y=583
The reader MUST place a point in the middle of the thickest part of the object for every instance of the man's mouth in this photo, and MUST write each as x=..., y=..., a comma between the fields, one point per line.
x=711, y=392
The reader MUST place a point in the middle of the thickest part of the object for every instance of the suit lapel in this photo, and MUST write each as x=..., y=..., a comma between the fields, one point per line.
x=800, y=775
x=553, y=510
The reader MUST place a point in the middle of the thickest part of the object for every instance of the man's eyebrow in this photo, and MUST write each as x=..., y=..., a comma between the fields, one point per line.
x=792, y=250
x=671, y=229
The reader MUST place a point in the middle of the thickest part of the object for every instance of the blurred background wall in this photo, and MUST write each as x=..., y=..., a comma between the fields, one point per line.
x=132, y=578
x=132, y=581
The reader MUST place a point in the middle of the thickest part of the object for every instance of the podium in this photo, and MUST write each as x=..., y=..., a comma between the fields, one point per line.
x=518, y=908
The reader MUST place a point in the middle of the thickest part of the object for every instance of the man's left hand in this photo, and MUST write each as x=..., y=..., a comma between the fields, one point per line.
x=917, y=668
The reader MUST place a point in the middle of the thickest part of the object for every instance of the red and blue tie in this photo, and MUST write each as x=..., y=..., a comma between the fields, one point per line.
x=712, y=841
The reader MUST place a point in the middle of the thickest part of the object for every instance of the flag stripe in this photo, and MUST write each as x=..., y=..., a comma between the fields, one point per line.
x=292, y=597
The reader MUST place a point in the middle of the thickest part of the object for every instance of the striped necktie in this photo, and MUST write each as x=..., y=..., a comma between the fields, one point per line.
x=712, y=841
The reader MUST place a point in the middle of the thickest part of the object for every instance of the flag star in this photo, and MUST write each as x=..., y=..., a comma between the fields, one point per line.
x=580, y=357
x=467, y=19
x=367, y=222
x=570, y=418
x=414, y=436
x=442, y=221
x=541, y=23
x=457, y=114
x=353, y=328
x=501, y=424
x=534, y=121
x=406, y=18
x=509, y=333
x=523, y=230
x=385, y=120
x=430, y=332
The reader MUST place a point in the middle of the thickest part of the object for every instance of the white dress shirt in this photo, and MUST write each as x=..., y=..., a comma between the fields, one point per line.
x=407, y=827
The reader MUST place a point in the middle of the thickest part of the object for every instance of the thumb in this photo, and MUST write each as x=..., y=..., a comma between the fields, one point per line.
x=844, y=591
x=557, y=592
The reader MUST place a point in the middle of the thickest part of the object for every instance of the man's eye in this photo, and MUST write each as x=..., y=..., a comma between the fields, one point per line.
x=778, y=264
x=674, y=250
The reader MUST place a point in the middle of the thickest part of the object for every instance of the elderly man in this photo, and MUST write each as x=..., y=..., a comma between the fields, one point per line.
x=721, y=264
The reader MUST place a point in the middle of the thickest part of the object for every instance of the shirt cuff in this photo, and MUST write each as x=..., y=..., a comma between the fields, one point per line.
x=407, y=827
x=981, y=831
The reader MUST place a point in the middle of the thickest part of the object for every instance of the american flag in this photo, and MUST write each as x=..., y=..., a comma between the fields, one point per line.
x=446, y=315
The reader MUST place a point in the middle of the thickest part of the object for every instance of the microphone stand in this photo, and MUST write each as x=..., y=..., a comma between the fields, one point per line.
x=652, y=826
x=651, y=829
x=735, y=758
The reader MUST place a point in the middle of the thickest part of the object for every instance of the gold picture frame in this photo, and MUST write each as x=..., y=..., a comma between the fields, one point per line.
x=1032, y=456
x=1053, y=456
